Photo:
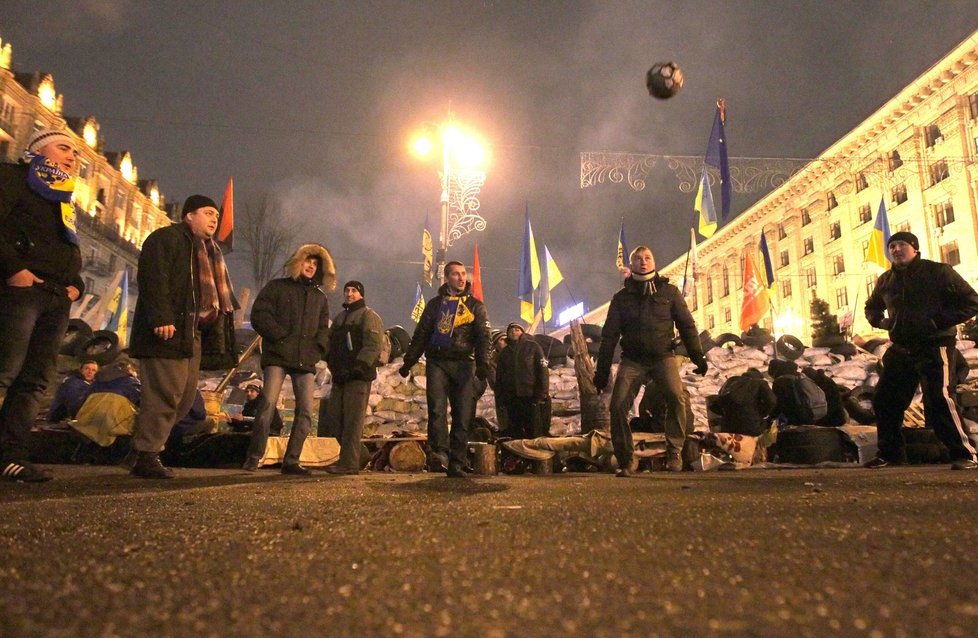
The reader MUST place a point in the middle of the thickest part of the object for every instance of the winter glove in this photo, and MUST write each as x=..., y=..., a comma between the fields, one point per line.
x=600, y=381
x=404, y=370
x=701, y=367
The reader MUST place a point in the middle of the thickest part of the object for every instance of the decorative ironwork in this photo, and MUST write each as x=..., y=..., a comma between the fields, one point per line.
x=616, y=168
x=463, y=204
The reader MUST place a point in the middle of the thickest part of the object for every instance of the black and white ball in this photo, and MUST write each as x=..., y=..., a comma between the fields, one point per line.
x=664, y=80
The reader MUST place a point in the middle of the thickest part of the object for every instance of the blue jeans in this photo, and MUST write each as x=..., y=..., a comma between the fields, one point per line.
x=303, y=385
x=33, y=322
x=450, y=383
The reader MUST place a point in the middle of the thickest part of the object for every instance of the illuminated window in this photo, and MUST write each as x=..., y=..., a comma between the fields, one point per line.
x=835, y=230
x=938, y=172
x=861, y=182
x=726, y=315
x=810, y=278
x=841, y=297
x=894, y=161
x=784, y=259
x=709, y=289
x=950, y=254
x=865, y=213
x=782, y=233
x=932, y=135
x=838, y=264
x=943, y=213
x=725, y=281
x=973, y=106
x=806, y=217
x=898, y=194
x=809, y=244
x=785, y=288
x=830, y=201
x=870, y=285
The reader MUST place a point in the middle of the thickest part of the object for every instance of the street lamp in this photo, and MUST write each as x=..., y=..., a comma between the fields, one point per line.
x=462, y=154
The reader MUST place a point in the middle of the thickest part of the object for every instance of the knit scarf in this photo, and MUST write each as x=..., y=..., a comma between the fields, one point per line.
x=648, y=279
x=215, y=285
x=54, y=185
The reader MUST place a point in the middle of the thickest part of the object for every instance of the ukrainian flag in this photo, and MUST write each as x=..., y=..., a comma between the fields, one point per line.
x=878, y=240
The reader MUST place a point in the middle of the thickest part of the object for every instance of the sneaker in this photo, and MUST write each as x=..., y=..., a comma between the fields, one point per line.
x=24, y=472
x=251, y=465
x=148, y=466
x=965, y=464
x=296, y=469
x=674, y=462
x=876, y=463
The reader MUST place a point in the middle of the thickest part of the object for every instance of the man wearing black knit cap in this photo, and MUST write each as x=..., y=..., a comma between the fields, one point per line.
x=354, y=347
x=184, y=312
x=39, y=279
x=920, y=302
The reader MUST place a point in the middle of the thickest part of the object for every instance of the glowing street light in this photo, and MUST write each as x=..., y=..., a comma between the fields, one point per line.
x=462, y=154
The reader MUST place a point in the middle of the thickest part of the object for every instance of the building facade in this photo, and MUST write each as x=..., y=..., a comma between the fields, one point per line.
x=918, y=154
x=115, y=210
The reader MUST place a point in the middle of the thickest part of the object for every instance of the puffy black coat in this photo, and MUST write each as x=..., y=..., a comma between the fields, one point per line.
x=169, y=293
x=469, y=341
x=644, y=315
x=924, y=301
x=292, y=313
x=745, y=402
x=31, y=233
x=522, y=370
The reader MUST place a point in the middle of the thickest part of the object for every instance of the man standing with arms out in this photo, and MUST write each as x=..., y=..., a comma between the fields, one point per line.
x=453, y=334
x=522, y=382
x=354, y=347
x=39, y=265
x=643, y=315
x=920, y=302
x=292, y=316
x=185, y=309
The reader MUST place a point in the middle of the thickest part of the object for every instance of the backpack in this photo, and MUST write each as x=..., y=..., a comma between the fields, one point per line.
x=800, y=399
x=384, y=356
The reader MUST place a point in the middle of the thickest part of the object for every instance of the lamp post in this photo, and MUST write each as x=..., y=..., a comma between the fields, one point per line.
x=461, y=154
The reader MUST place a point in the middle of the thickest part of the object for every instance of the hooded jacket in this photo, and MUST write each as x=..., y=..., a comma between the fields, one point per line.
x=924, y=303
x=644, y=315
x=469, y=341
x=292, y=313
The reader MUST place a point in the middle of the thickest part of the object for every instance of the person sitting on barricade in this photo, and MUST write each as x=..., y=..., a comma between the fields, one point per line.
x=72, y=393
x=745, y=403
x=110, y=409
x=252, y=408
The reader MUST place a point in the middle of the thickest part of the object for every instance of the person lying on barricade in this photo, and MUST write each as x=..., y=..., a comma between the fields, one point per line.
x=593, y=448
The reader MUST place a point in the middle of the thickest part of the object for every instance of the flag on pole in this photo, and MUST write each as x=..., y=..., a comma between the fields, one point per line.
x=477, y=276
x=704, y=206
x=550, y=278
x=716, y=156
x=119, y=307
x=529, y=273
x=427, y=252
x=879, y=239
x=622, y=260
x=767, y=272
x=693, y=267
x=225, y=228
x=756, y=301
x=418, y=306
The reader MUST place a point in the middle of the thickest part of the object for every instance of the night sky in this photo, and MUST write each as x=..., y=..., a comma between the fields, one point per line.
x=315, y=102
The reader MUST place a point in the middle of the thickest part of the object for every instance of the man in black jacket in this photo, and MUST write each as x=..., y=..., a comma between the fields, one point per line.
x=644, y=315
x=39, y=279
x=522, y=382
x=184, y=311
x=292, y=316
x=453, y=334
x=920, y=302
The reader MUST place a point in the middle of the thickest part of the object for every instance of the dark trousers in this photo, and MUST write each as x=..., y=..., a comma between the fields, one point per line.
x=169, y=388
x=344, y=419
x=903, y=369
x=519, y=414
x=450, y=383
x=32, y=325
x=631, y=376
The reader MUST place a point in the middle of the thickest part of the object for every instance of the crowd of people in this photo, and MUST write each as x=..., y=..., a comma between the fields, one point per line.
x=184, y=320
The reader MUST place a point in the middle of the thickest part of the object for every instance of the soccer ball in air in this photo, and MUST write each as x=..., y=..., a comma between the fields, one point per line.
x=664, y=80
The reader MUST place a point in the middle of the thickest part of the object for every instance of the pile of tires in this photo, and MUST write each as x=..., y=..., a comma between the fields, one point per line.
x=81, y=342
x=400, y=342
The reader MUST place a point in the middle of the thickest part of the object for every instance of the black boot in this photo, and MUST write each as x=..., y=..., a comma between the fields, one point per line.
x=148, y=466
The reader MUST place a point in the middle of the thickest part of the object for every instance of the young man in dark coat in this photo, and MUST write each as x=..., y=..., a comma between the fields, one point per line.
x=72, y=393
x=920, y=302
x=354, y=346
x=453, y=334
x=292, y=316
x=252, y=407
x=522, y=382
x=644, y=315
x=185, y=310
x=39, y=279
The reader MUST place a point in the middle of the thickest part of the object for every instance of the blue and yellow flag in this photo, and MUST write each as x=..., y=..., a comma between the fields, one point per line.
x=418, y=306
x=427, y=252
x=767, y=270
x=550, y=278
x=704, y=206
x=119, y=307
x=622, y=259
x=716, y=156
x=529, y=272
x=878, y=240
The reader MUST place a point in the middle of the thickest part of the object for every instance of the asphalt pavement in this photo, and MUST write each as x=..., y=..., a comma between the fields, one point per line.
x=803, y=552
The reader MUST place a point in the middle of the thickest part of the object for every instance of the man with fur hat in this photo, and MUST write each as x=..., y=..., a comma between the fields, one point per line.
x=522, y=382
x=184, y=314
x=644, y=315
x=40, y=263
x=292, y=316
x=355, y=342
x=453, y=334
x=920, y=302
